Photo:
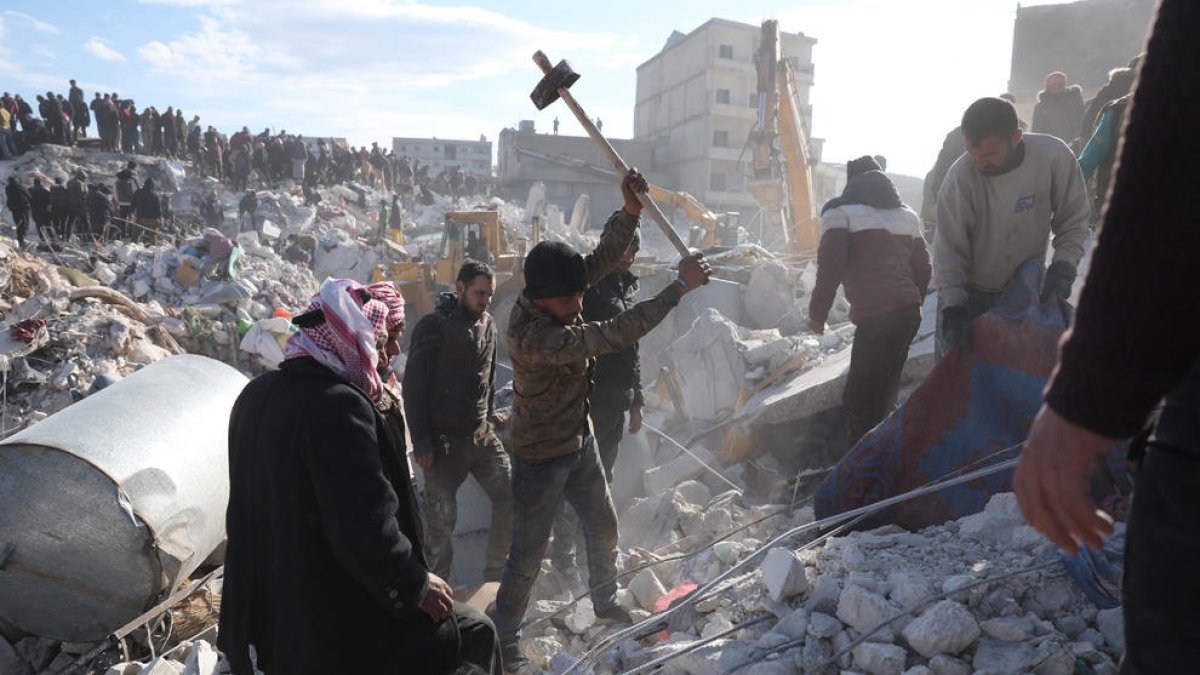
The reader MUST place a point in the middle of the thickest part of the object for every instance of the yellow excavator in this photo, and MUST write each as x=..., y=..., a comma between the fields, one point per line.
x=710, y=229
x=780, y=173
x=477, y=235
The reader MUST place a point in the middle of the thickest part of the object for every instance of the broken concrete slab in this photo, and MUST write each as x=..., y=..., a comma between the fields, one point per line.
x=783, y=574
x=945, y=628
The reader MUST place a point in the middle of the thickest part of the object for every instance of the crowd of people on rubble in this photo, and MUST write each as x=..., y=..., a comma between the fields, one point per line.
x=244, y=162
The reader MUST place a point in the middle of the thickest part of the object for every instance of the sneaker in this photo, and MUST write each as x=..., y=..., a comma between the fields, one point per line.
x=614, y=614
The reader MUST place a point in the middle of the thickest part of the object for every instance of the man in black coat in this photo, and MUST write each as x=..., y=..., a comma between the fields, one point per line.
x=18, y=200
x=324, y=571
x=80, y=117
x=39, y=201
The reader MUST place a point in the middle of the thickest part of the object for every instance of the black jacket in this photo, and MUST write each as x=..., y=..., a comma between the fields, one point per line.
x=16, y=196
x=324, y=570
x=620, y=371
x=39, y=199
x=449, y=379
x=146, y=203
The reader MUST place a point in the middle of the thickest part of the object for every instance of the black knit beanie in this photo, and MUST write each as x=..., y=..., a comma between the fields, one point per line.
x=554, y=270
x=861, y=165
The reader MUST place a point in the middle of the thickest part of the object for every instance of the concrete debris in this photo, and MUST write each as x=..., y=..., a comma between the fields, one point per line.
x=828, y=600
x=783, y=574
x=945, y=628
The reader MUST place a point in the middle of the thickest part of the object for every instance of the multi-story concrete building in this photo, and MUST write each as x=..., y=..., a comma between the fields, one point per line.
x=569, y=166
x=700, y=94
x=474, y=157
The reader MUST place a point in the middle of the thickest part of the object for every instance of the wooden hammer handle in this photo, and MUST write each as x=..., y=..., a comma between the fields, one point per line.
x=618, y=164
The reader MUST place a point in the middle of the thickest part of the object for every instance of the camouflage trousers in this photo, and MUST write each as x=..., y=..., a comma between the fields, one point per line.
x=483, y=457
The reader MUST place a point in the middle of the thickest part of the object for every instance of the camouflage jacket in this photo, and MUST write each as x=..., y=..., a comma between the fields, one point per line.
x=552, y=363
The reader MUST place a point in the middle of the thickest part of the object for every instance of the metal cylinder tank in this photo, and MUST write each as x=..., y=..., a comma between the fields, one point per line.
x=106, y=506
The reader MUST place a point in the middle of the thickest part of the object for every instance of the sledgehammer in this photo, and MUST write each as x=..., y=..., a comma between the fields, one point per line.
x=555, y=85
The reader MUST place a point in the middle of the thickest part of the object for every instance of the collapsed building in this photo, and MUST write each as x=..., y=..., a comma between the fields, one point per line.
x=723, y=556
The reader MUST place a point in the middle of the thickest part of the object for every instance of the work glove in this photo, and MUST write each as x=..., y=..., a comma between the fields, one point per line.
x=956, y=329
x=1059, y=280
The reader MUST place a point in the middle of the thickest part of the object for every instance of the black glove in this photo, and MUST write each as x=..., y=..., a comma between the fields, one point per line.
x=956, y=329
x=1059, y=280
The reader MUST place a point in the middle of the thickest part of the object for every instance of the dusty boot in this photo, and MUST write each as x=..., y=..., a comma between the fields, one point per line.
x=614, y=615
x=513, y=658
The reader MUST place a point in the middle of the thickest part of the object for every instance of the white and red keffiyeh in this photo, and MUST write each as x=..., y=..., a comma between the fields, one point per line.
x=345, y=341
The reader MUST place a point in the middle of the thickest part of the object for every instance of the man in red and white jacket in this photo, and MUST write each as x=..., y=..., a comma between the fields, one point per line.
x=871, y=243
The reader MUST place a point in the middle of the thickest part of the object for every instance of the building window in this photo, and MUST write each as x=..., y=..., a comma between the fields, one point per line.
x=725, y=51
x=716, y=181
x=720, y=139
x=723, y=96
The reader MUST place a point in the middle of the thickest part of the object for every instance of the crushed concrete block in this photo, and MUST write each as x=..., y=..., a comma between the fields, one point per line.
x=201, y=660
x=1050, y=597
x=944, y=664
x=1071, y=625
x=783, y=574
x=1112, y=626
x=772, y=639
x=775, y=667
x=823, y=626
x=994, y=656
x=581, y=618
x=918, y=670
x=863, y=610
x=125, y=669
x=879, y=659
x=945, y=628
x=161, y=666
x=540, y=650
x=718, y=522
x=646, y=589
x=1008, y=629
x=909, y=588
x=1092, y=636
x=717, y=624
x=794, y=625
x=728, y=552
x=664, y=478
x=825, y=595
x=695, y=492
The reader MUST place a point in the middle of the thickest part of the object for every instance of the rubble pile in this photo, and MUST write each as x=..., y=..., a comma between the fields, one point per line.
x=34, y=655
x=879, y=602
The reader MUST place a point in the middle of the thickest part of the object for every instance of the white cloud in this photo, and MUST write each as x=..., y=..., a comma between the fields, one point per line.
x=38, y=24
x=100, y=50
x=366, y=69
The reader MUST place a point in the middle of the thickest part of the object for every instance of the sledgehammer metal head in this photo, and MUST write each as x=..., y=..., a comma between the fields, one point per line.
x=546, y=91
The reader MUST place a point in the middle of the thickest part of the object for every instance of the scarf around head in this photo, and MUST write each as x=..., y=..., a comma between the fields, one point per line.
x=345, y=341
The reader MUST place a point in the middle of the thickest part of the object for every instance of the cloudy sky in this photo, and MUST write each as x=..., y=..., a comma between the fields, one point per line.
x=891, y=77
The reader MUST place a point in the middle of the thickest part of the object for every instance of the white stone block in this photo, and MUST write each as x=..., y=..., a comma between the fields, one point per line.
x=202, y=660
x=783, y=574
x=646, y=589
x=863, y=610
x=944, y=664
x=879, y=659
x=1112, y=626
x=823, y=626
x=794, y=625
x=1008, y=629
x=945, y=628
